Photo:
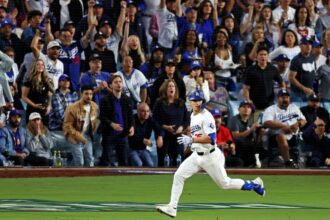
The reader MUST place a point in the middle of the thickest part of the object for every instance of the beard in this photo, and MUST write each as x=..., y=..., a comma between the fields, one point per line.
x=15, y=124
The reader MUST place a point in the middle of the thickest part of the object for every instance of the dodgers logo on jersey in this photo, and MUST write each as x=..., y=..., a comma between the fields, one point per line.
x=284, y=118
x=212, y=125
x=195, y=128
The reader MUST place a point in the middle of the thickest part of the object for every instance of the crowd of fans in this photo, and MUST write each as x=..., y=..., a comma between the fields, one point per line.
x=104, y=82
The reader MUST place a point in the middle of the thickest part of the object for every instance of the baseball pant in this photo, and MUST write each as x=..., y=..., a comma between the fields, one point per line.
x=213, y=164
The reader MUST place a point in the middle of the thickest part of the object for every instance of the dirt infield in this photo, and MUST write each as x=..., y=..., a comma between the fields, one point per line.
x=26, y=172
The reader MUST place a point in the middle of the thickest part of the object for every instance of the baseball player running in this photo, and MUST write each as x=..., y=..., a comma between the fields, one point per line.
x=206, y=156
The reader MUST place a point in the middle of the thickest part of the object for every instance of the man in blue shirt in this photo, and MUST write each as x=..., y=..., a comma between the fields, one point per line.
x=188, y=22
x=116, y=116
x=34, y=19
x=96, y=78
x=302, y=72
x=12, y=142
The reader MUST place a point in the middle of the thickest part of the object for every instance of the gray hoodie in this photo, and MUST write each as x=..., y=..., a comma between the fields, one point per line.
x=5, y=66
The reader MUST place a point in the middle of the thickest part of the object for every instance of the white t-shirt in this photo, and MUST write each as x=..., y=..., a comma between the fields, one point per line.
x=55, y=69
x=65, y=14
x=87, y=109
x=191, y=85
x=202, y=124
x=277, y=14
x=132, y=83
x=302, y=31
x=40, y=5
x=290, y=52
x=152, y=6
x=287, y=116
x=169, y=29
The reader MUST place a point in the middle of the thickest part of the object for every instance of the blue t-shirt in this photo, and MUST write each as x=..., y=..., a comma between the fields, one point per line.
x=207, y=28
x=89, y=79
x=17, y=142
x=306, y=70
x=118, y=117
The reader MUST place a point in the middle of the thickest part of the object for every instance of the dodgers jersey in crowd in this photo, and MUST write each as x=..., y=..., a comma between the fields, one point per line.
x=288, y=116
x=203, y=124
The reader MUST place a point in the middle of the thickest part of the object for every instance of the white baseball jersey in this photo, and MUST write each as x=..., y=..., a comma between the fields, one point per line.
x=288, y=116
x=212, y=162
x=132, y=83
x=202, y=124
x=169, y=29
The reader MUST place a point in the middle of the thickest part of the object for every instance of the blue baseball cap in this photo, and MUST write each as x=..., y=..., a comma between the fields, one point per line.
x=7, y=21
x=195, y=64
x=197, y=95
x=98, y=3
x=282, y=57
x=248, y=103
x=216, y=112
x=64, y=77
x=317, y=44
x=189, y=9
x=306, y=40
x=14, y=112
x=283, y=92
x=131, y=2
x=156, y=48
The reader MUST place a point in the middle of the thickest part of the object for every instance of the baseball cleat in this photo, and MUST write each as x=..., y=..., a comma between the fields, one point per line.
x=167, y=210
x=259, y=187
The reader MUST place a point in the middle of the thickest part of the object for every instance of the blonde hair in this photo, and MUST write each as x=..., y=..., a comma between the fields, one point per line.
x=139, y=48
x=255, y=29
x=36, y=81
x=29, y=127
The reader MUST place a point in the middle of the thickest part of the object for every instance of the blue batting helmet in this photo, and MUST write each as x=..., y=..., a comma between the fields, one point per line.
x=196, y=95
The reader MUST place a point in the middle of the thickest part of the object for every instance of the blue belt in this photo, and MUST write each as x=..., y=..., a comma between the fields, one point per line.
x=202, y=153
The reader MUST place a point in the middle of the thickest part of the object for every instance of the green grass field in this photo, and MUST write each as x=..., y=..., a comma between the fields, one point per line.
x=134, y=197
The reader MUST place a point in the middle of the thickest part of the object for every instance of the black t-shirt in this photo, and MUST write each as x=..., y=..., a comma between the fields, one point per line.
x=108, y=60
x=261, y=82
x=305, y=68
x=38, y=97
